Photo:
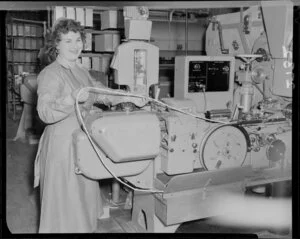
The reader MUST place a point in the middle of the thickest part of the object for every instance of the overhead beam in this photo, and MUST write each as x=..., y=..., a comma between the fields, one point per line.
x=105, y=5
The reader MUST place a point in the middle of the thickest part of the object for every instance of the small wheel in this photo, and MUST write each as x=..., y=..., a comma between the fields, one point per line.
x=224, y=146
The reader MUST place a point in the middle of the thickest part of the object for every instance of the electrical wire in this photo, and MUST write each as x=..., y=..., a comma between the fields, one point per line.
x=96, y=148
x=113, y=92
x=205, y=101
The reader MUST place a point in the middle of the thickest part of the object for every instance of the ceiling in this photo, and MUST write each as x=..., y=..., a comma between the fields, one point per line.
x=105, y=5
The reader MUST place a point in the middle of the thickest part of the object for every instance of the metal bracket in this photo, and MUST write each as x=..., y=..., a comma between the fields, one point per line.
x=223, y=50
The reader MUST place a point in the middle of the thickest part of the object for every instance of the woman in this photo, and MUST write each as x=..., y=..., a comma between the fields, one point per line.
x=69, y=202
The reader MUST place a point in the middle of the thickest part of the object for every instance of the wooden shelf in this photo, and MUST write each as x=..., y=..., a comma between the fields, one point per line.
x=167, y=65
x=22, y=49
x=113, y=31
x=92, y=54
x=22, y=62
x=10, y=37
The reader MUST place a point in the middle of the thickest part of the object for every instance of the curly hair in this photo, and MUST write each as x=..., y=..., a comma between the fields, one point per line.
x=64, y=26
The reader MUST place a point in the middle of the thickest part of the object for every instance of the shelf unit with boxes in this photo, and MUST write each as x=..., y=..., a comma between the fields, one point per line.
x=24, y=38
x=100, y=43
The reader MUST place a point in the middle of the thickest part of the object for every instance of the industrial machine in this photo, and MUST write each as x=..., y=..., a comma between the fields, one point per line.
x=228, y=126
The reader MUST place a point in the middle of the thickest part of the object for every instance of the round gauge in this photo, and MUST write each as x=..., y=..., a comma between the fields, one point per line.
x=223, y=147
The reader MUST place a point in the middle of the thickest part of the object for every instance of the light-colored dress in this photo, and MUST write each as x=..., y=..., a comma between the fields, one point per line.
x=70, y=203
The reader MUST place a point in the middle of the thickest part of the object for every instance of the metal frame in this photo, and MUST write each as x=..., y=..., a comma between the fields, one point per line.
x=105, y=5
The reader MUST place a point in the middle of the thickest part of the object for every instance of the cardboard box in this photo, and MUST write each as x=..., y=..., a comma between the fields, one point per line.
x=86, y=62
x=39, y=31
x=96, y=63
x=33, y=31
x=20, y=69
x=58, y=12
x=33, y=44
x=39, y=43
x=15, y=69
x=70, y=12
x=14, y=29
x=108, y=41
x=89, y=17
x=22, y=56
x=21, y=43
x=80, y=16
x=138, y=29
x=104, y=62
x=27, y=56
x=88, y=42
x=9, y=55
x=112, y=19
x=8, y=29
x=27, y=43
x=27, y=30
x=20, y=30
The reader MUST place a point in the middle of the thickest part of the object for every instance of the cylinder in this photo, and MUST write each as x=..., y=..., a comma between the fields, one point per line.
x=246, y=98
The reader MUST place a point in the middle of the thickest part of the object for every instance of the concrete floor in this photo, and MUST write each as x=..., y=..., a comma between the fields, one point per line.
x=22, y=201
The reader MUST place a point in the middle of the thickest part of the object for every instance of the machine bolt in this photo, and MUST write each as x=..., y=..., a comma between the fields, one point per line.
x=172, y=150
x=195, y=151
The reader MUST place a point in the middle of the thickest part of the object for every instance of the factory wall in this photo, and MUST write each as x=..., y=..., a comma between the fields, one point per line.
x=170, y=36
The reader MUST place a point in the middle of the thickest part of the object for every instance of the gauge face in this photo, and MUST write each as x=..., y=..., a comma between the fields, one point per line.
x=224, y=147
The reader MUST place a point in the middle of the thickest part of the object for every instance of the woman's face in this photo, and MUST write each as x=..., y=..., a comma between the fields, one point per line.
x=70, y=46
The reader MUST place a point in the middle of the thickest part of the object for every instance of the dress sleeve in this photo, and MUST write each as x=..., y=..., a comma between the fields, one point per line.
x=53, y=105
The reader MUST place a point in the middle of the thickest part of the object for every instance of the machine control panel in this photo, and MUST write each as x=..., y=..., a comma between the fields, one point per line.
x=213, y=75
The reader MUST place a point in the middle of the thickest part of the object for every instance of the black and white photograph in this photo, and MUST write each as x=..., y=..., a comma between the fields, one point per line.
x=150, y=117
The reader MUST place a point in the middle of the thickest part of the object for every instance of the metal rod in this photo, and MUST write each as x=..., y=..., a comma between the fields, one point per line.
x=28, y=21
x=186, y=32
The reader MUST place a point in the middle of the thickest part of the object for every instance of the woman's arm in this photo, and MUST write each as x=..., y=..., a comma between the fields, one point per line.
x=52, y=105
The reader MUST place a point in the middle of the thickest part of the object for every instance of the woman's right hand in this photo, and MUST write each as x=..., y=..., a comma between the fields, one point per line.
x=84, y=95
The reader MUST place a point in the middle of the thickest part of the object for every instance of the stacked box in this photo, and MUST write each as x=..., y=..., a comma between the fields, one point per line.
x=14, y=29
x=96, y=63
x=70, y=11
x=27, y=43
x=138, y=29
x=20, y=69
x=27, y=30
x=22, y=56
x=26, y=67
x=58, y=12
x=105, y=63
x=80, y=15
x=32, y=68
x=20, y=30
x=27, y=56
x=16, y=56
x=16, y=43
x=15, y=69
x=33, y=31
x=89, y=17
x=111, y=19
x=86, y=62
x=33, y=44
x=108, y=41
x=88, y=42
x=8, y=44
x=39, y=31
x=9, y=55
x=39, y=43
x=8, y=31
